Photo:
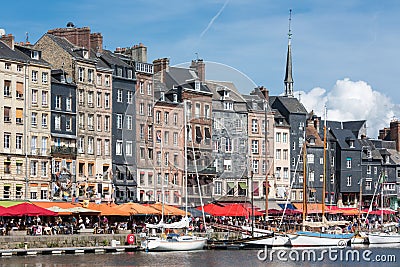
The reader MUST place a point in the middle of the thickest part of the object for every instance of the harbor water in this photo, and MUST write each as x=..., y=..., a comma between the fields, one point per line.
x=368, y=256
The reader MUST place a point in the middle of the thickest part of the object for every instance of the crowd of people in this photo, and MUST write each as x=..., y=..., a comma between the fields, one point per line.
x=38, y=225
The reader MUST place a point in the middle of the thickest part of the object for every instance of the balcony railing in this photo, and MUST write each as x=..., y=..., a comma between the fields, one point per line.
x=63, y=150
x=202, y=169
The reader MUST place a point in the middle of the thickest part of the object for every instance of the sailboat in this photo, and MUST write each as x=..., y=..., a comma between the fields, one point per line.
x=172, y=241
x=387, y=235
x=317, y=238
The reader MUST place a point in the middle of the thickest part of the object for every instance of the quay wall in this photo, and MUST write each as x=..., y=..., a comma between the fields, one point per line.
x=82, y=240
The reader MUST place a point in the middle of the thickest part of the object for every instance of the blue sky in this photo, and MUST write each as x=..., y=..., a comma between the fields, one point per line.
x=332, y=40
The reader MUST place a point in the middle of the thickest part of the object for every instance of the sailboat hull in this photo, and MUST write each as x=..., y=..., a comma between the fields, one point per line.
x=184, y=243
x=383, y=238
x=273, y=241
x=315, y=239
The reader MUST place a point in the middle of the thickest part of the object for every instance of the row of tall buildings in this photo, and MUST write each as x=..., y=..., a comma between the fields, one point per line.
x=83, y=122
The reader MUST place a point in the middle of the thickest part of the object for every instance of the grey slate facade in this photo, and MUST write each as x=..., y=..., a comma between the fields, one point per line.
x=123, y=108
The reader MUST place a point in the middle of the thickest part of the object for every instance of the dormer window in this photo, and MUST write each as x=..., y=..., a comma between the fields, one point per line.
x=369, y=153
x=162, y=97
x=175, y=98
x=351, y=143
x=254, y=105
x=312, y=140
x=85, y=54
x=34, y=54
x=387, y=159
x=228, y=105
x=226, y=93
x=197, y=85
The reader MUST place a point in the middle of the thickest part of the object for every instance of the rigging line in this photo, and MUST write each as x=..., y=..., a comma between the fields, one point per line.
x=198, y=185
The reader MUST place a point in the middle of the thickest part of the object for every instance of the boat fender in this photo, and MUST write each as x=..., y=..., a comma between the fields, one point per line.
x=130, y=239
x=163, y=236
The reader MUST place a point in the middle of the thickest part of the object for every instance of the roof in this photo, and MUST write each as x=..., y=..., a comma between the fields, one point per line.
x=366, y=143
x=7, y=53
x=69, y=47
x=112, y=59
x=342, y=135
x=292, y=104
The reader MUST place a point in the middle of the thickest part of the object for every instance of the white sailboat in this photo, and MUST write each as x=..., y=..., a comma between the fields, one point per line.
x=317, y=238
x=175, y=242
x=388, y=235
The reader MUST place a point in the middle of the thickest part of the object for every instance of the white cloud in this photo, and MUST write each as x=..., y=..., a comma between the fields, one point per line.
x=349, y=100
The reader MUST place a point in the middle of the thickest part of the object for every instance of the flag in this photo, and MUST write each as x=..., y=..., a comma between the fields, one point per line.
x=382, y=178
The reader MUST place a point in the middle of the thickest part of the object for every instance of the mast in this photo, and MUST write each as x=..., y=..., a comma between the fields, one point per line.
x=185, y=155
x=266, y=153
x=383, y=179
x=162, y=179
x=324, y=173
x=304, y=182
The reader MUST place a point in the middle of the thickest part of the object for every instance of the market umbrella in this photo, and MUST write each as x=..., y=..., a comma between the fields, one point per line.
x=108, y=209
x=28, y=209
x=3, y=211
x=137, y=209
x=168, y=210
x=59, y=210
x=82, y=210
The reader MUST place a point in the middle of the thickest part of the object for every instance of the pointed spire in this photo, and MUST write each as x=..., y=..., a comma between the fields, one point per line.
x=288, y=75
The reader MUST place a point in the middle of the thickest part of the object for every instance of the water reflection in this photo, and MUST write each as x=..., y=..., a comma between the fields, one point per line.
x=196, y=258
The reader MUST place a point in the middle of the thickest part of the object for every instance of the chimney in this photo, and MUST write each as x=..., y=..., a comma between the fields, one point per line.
x=200, y=68
x=9, y=40
x=384, y=134
x=96, y=42
x=316, y=124
x=139, y=53
x=161, y=65
x=395, y=133
x=265, y=93
x=78, y=36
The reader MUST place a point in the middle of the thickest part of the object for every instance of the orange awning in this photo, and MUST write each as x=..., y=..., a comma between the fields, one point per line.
x=168, y=210
x=108, y=209
x=137, y=209
x=311, y=207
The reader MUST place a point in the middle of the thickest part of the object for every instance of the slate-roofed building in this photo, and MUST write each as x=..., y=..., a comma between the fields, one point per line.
x=144, y=117
x=123, y=130
x=230, y=143
x=63, y=135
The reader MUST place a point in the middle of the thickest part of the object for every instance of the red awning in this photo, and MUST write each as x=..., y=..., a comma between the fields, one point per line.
x=28, y=209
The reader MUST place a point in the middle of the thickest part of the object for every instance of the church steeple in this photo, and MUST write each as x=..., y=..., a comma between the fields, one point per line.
x=288, y=75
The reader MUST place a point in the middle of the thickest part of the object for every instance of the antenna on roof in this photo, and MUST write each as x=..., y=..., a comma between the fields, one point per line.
x=290, y=22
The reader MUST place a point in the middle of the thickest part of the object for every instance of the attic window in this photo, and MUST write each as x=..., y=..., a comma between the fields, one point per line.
x=369, y=153
x=85, y=54
x=197, y=85
x=162, y=97
x=351, y=143
x=175, y=98
x=226, y=93
x=34, y=54
x=228, y=105
x=312, y=141
x=254, y=104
